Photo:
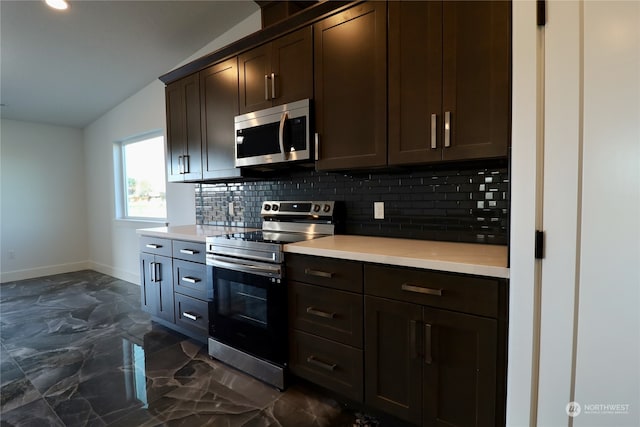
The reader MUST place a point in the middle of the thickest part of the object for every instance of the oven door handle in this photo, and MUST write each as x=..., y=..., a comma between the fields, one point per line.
x=245, y=268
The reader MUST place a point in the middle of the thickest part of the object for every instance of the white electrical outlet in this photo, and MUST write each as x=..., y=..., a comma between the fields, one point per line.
x=378, y=210
x=231, y=212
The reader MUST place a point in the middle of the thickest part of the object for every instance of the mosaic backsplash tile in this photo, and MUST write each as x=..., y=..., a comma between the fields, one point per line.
x=461, y=205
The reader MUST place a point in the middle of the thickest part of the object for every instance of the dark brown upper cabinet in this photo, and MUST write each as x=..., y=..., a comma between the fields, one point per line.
x=219, y=106
x=277, y=72
x=184, y=145
x=449, y=80
x=350, y=52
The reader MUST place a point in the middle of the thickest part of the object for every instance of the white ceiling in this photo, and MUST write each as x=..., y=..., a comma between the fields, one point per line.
x=68, y=68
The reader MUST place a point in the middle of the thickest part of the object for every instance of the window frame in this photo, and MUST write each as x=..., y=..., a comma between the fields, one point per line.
x=120, y=178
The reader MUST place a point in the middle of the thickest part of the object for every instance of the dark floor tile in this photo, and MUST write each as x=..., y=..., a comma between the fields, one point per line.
x=17, y=393
x=34, y=414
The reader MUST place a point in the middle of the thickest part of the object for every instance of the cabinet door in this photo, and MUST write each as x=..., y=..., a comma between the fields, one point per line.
x=255, y=74
x=350, y=88
x=292, y=65
x=459, y=369
x=393, y=364
x=415, y=82
x=149, y=295
x=156, y=277
x=164, y=283
x=219, y=96
x=477, y=78
x=184, y=146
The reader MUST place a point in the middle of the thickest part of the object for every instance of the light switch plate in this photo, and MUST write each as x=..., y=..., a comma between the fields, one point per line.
x=378, y=210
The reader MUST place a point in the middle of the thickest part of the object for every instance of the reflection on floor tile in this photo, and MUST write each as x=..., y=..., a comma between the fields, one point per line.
x=76, y=350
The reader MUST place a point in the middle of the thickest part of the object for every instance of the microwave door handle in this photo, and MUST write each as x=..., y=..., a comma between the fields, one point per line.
x=283, y=119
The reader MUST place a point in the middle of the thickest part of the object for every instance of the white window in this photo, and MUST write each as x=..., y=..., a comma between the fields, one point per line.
x=140, y=178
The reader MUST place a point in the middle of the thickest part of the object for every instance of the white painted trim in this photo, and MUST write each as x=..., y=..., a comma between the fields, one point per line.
x=12, y=276
x=521, y=375
x=115, y=272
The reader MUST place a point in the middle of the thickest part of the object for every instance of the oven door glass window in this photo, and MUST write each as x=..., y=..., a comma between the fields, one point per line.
x=250, y=313
x=243, y=303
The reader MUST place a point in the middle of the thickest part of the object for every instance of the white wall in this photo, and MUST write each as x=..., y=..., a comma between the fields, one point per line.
x=113, y=244
x=43, y=201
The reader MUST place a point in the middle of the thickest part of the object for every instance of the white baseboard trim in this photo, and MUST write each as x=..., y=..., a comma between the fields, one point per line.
x=12, y=276
x=115, y=272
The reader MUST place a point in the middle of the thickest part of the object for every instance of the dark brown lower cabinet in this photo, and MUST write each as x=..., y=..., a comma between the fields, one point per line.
x=429, y=366
x=156, y=280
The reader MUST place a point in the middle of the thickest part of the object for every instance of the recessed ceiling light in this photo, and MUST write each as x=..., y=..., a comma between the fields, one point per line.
x=57, y=4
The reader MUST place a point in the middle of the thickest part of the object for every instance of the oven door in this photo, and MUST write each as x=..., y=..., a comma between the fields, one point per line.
x=250, y=309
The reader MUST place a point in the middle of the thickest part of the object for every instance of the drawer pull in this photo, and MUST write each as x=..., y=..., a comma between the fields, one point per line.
x=320, y=364
x=190, y=316
x=189, y=251
x=418, y=289
x=190, y=279
x=317, y=273
x=320, y=313
x=153, y=246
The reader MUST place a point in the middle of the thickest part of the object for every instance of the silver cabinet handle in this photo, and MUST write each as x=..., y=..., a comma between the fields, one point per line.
x=153, y=246
x=189, y=251
x=419, y=289
x=188, y=315
x=152, y=271
x=273, y=85
x=186, y=163
x=434, y=127
x=320, y=313
x=427, y=344
x=266, y=87
x=158, y=270
x=180, y=165
x=319, y=363
x=283, y=119
x=190, y=279
x=447, y=128
x=318, y=273
x=317, y=148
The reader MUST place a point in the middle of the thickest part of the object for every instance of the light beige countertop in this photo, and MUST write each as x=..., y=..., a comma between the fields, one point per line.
x=468, y=258
x=191, y=233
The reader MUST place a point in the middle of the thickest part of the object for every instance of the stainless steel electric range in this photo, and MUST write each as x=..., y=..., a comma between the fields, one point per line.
x=248, y=322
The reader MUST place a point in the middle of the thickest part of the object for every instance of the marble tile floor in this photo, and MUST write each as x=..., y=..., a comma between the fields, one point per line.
x=76, y=350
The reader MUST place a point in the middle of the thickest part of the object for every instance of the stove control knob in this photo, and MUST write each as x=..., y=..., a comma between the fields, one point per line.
x=274, y=207
x=327, y=208
x=267, y=207
x=316, y=208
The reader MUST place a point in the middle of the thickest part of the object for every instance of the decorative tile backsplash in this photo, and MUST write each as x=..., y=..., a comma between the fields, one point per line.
x=462, y=205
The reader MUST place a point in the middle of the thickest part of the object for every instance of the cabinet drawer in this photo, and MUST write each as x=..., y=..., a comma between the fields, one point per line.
x=450, y=291
x=334, y=273
x=332, y=365
x=189, y=251
x=155, y=245
x=329, y=313
x=192, y=314
x=190, y=278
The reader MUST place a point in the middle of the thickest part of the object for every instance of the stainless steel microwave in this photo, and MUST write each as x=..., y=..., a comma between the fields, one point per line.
x=275, y=135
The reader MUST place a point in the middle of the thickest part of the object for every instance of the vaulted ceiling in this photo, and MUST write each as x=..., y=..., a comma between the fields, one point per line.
x=70, y=67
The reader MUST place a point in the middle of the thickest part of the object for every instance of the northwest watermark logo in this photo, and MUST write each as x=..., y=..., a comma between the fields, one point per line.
x=574, y=408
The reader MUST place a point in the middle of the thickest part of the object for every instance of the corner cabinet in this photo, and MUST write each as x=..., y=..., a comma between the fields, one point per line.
x=350, y=72
x=277, y=72
x=449, y=80
x=184, y=144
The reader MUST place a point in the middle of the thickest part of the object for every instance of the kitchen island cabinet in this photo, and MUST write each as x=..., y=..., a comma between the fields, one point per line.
x=449, y=80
